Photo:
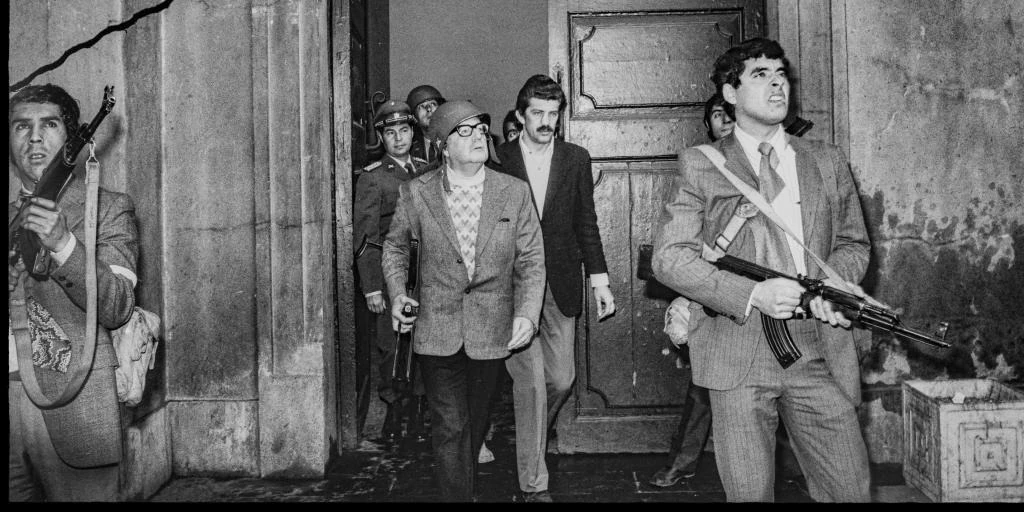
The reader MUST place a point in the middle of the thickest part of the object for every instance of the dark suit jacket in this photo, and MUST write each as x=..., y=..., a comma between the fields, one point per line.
x=508, y=280
x=87, y=431
x=722, y=347
x=569, y=222
x=375, y=198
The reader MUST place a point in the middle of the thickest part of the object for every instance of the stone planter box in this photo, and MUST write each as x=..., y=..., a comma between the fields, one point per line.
x=967, y=451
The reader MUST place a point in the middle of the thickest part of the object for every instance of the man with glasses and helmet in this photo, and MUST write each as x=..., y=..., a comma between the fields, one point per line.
x=424, y=100
x=481, y=284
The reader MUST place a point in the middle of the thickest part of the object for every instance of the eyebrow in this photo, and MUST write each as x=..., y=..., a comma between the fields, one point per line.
x=26, y=119
x=766, y=68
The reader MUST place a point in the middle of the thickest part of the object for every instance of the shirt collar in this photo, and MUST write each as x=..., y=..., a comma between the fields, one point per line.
x=541, y=152
x=457, y=180
x=750, y=144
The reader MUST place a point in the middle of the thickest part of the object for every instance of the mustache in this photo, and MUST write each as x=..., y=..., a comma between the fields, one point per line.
x=546, y=129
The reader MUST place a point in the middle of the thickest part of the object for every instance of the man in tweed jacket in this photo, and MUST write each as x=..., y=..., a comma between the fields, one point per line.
x=749, y=391
x=481, y=284
x=70, y=453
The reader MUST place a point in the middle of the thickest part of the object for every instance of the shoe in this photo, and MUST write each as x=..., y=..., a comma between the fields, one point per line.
x=486, y=455
x=392, y=429
x=669, y=476
x=537, y=497
x=417, y=411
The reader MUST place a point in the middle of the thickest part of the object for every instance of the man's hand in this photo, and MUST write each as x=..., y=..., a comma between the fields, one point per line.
x=522, y=333
x=376, y=304
x=825, y=311
x=14, y=271
x=605, y=301
x=777, y=297
x=399, y=322
x=43, y=218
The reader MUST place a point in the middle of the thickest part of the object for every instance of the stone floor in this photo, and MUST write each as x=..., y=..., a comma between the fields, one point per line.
x=377, y=472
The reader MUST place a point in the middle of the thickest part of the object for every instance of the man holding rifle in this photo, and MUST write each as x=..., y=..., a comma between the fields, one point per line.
x=71, y=452
x=481, y=284
x=809, y=185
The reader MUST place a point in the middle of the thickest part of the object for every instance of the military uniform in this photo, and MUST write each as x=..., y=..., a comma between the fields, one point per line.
x=421, y=147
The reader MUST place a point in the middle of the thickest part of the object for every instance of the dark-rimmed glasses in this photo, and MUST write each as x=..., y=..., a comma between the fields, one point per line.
x=465, y=130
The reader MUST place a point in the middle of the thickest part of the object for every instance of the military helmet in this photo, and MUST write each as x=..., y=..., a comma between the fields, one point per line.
x=450, y=115
x=422, y=93
x=392, y=113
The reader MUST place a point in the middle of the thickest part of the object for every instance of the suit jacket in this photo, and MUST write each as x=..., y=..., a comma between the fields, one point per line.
x=722, y=347
x=508, y=282
x=87, y=431
x=375, y=198
x=419, y=147
x=569, y=221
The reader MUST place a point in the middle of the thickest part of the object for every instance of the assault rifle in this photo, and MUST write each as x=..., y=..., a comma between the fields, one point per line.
x=50, y=186
x=401, y=371
x=860, y=310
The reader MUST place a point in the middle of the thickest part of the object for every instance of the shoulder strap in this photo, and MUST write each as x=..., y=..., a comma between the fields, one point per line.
x=19, y=313
x=755, y=197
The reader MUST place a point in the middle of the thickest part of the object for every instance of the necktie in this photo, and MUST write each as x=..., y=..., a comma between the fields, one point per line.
x=409, y=169
x=770, y=181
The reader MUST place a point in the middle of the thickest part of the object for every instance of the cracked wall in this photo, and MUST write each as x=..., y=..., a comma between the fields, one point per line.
x=936, y=147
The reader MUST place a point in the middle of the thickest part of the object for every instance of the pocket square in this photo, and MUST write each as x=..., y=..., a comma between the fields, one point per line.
x=504, y=219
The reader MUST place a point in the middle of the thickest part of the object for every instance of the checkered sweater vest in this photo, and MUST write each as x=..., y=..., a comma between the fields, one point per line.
x=464, y=205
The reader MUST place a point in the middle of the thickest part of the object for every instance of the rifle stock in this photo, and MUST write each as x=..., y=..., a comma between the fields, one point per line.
x=51, y=185
x=401, y=370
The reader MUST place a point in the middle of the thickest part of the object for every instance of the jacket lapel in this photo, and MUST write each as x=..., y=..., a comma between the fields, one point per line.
x=494, y=200
x=737, y=162
x=73, y=201
x=556, y=175
x=433, y=197
x=811, y=194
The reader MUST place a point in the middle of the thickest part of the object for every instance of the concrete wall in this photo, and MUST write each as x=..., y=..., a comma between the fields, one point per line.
x=935, y=140
x=222, y=134
x=480, y=50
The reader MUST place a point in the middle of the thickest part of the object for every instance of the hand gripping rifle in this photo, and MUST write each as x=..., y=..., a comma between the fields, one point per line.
x=401, y=371
x=50, y=186
x=868, y=314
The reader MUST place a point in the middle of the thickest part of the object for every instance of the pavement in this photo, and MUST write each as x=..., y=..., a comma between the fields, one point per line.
x=402, y=472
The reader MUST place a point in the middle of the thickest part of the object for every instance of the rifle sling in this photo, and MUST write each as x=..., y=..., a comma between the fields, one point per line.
x=19, y=315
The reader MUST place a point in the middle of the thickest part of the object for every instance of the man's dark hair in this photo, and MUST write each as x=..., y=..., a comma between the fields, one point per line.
x=541, y=87
x=729, y=66
x=49, y=93
x=716, y=100
x=510, y=117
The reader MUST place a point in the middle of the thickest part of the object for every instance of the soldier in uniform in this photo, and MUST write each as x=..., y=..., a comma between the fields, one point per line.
x=424, y=99
x=375, y=198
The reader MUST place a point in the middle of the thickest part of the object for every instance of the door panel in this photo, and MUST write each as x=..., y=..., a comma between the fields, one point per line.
x=637, y=76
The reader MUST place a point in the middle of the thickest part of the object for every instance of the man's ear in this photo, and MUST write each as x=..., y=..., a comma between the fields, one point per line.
x=729, y=93
x=519, y=116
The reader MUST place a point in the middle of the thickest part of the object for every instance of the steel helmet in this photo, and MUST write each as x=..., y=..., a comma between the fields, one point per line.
x=392, y=113
x=422, y=93
x=450, y=115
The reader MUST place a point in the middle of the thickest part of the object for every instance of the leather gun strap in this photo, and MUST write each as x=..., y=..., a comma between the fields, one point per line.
x=19, y=315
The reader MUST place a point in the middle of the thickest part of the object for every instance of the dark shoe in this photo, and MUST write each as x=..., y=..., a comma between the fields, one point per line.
x=537, y=497
x=417, y=412
x=669, y=476
x=392, y=429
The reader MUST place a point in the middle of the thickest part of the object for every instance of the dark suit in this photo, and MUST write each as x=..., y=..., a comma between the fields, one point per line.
x=543, y=373
x=85, y=433
x=375, y=198
x=465, y=323
x=728, y=351
x=419, y=148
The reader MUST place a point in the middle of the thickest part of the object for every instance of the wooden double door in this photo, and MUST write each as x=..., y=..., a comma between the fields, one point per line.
x=637, y=76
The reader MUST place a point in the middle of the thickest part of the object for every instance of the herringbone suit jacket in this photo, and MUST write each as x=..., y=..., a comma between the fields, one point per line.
x=569, y=220
x=508, y=280
x=722, y=347
x=87, y=431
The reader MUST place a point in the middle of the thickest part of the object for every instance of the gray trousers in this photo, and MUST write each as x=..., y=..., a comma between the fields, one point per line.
x=36, y=472
x=822, y=426
x=542, y=376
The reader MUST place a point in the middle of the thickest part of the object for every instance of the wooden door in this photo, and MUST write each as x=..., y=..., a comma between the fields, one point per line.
x=637, y=76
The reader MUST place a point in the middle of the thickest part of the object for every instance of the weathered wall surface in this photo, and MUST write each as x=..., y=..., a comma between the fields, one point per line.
x=937, y=146
x=222, y=134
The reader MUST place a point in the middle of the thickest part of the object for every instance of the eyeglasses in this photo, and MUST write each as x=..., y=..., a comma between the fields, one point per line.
x=465, y=130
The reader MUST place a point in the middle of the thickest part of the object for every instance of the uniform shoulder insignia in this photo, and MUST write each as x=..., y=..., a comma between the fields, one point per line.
x=419, y=160
x=372, y=166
